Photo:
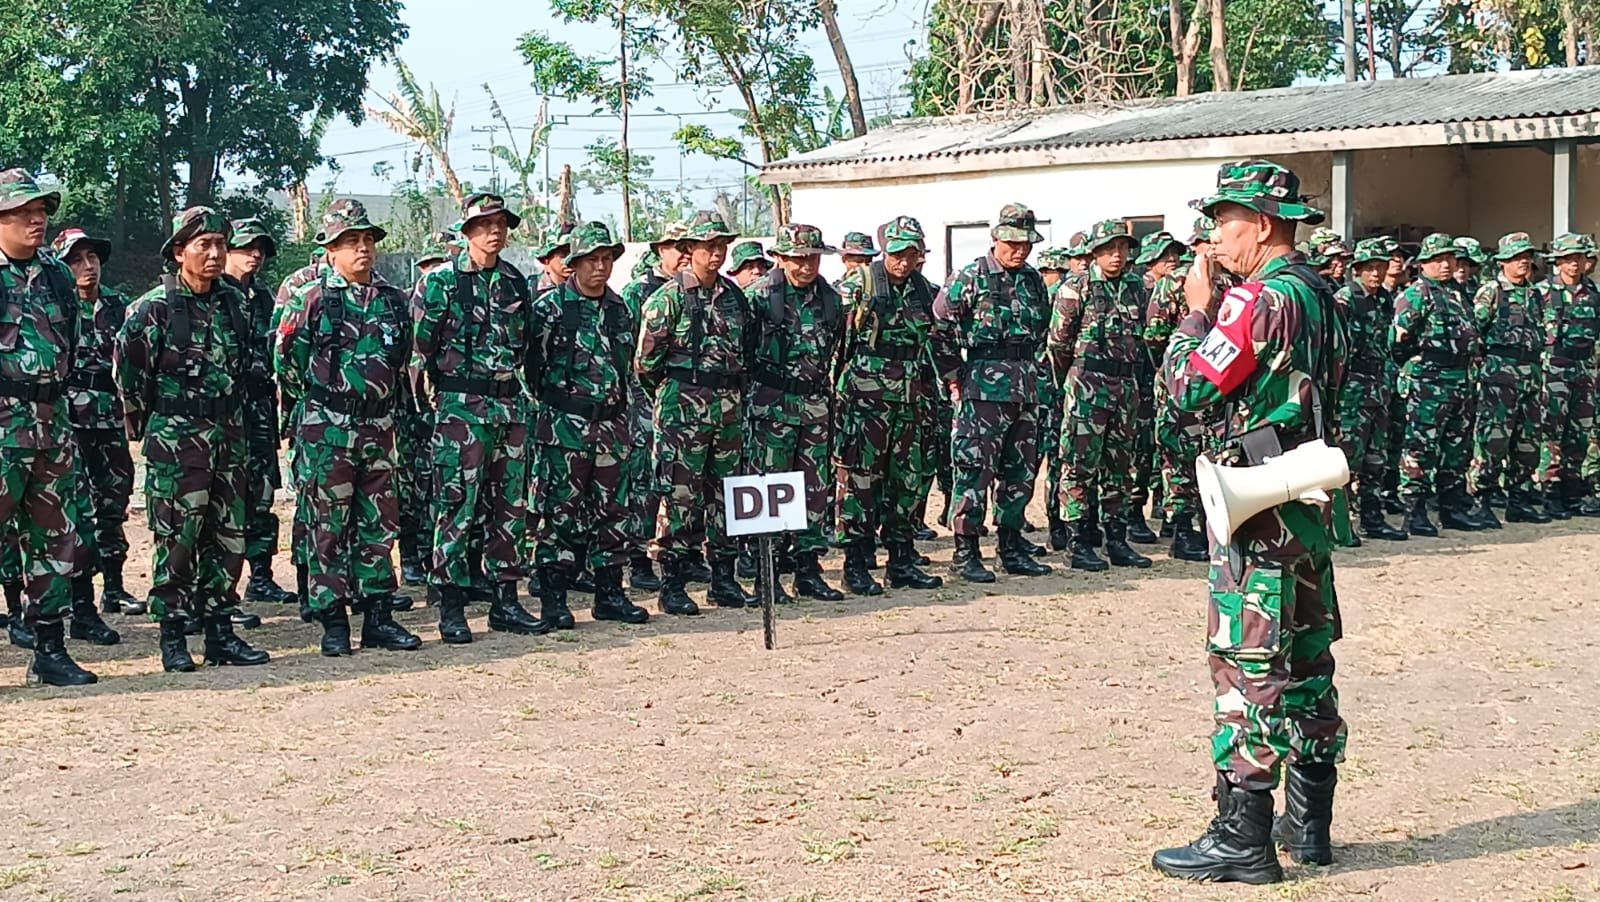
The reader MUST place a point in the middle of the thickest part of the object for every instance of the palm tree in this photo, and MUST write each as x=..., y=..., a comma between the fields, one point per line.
x=421, y=117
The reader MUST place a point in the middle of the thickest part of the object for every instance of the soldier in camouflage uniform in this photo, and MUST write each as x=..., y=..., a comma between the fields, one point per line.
x=1052, y=266
x=183, y=357
x=39, y=334
x=579, y=373
x=1571, y=324
x=1178, y=433
x=1434, y=333
x=413, y=475
x=1096, y=344
x=1470, y=260
x=894, y=360
x=1327, y=253
x=997, y=308
x=1509, y=310
x=553, y=260
x=1395, y=280
x=856, y=251
x=1078, y=256
x=1266, y=358
x=747, y=262
x=1366, y=309
x=342, y=345
x=696, y=346
x=471, y=343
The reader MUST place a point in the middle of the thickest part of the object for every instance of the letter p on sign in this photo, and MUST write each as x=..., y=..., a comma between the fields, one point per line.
x=759, y=505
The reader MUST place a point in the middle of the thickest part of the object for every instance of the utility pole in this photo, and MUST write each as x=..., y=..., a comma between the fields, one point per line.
x=1347, y=10
x=627, y=162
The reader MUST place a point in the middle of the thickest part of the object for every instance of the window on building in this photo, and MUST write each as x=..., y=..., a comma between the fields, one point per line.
x=1146, y=225
x=965, y=242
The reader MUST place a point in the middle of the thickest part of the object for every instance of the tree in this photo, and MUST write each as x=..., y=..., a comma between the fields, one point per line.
x=421, y=116
x=847, y=70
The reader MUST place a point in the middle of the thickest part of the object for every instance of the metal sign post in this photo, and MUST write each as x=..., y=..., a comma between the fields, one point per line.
x=769, y=592
x=765, y=506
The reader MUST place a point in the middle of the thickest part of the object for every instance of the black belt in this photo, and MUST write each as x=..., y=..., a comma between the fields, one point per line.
x=1577, y=353
x=37, y=392
x=1003, y=352
x=893, y=352
x=88, y=381
x=487, y=388
x=1515, y=354
x=1446, y=360
x=789, y=386
x=703, y=379
x=366, y=408
x=590, y=410
x=1368, y=367
x=1109, y=367
x=259, y=388
x=199, y=408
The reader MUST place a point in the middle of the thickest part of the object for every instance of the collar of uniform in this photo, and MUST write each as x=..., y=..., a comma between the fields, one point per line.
x=1507, y=283
x=997, y=267
x=1097, y=275
x=691, y=283
x=464, y=263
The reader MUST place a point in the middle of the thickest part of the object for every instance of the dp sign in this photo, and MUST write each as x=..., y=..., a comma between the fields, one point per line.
x=757, y=505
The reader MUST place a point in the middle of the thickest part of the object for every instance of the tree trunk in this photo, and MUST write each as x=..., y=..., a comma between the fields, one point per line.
x=202, y=149
x=1190, y=48
x=627, y=160
x=1347, y=21
x=1569, y=32
x=847, y=71
x=299, y=211
x=565, y=212
x=1221, y=80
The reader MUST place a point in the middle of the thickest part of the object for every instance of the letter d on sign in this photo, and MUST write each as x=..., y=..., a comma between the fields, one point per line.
x=746, y=502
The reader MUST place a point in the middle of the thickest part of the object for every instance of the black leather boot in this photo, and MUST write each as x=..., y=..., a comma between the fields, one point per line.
x=302, y=590
x=1522, y=507
x=380, y=630
x=925, y=533
x=453, y=628
x=725, y=591
x=1417, y=522
x=1015, y=558
x=114, y=599
x=553, y=607
x=1136, y=529
x=394, y=601
x=1588, y=507
x=779, y=594
x=808, y=581
x=673, y=599
x=1483, y=513
x=1373, y=524
x=1554, y=504
x=642, y=574
x=967, y=562
x=1059, y=536
x=175, y=656
x=411, y=572
x=1023, y=544
x=261, y=589
x=857, y=577
x=1118, y=551
x=507, y=615
x=1188, y=544
x=20, y=633
x=581, y=581
x=1308, y=813
x=903, y=571
x=335, y=630
x=51, y=665
x=223, y=647
x=1168, y=530
x=481, y=589
x=86, y=623
x=694, y=567
x=242, y=619
x=1455, y=512
x=610, y=602
x=1236, y=847
x=747, y=563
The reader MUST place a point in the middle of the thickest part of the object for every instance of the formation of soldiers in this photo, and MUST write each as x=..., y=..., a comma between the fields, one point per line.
x=556, y=431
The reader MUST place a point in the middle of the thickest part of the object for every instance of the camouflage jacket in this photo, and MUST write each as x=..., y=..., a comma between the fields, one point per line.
x=579, y=363
x=472, y=341
x=1164, y=312
x=343, y=348
x=182, y=394
x=1510, y=318
x=639, y=401
x=38, y=342
x=799, y=333
x=694, y=332
x=1098, y=321
x=894, y=351
x=1571, y=319
x=1434, y=328
x=92, y=397
x=1000, y=318
x=260, y=309
x=1366, y=319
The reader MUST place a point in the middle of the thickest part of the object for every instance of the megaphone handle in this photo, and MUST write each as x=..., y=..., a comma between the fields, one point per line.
x=1235, y=557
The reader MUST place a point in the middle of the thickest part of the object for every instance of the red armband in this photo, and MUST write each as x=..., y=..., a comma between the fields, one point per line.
x=1227, y=355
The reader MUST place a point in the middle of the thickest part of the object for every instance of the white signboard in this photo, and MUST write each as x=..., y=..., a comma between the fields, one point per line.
x=757, y=505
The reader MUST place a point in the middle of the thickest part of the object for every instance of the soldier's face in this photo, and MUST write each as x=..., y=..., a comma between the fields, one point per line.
x=1518, y=268
x=487, y=235
x=1336, y=268
x=853, y=262
x=591, y=272
x=85, y=266
x=556, y=266
x=353, y=254
x=672, y=257
x=901, y=264
x=1369, y=275
x=1571, y=267
x=1239, y=236
x=746, y=275
x=1165, y=264
x=23, y=228
x=1439, y=268
x=801, y=271
x=1012, y=254
x=246, y=261
x=201, y=257
x=1112, y=258
x=1078, y=265
x=708, y=256
x=1052, y=277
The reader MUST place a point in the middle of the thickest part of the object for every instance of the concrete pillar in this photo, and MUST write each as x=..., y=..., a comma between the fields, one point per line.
x=1563, y=160
x=1342, y=212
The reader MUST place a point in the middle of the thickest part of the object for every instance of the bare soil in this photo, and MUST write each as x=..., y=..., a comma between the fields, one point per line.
x=1033, y=739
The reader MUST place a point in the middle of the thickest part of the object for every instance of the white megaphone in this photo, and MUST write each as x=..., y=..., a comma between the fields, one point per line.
x=1232, y=495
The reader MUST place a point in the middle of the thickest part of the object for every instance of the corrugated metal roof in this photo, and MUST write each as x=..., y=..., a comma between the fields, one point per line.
x=1313, y=108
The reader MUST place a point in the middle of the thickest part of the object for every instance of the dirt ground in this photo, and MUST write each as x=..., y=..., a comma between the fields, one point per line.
x=1035, y=739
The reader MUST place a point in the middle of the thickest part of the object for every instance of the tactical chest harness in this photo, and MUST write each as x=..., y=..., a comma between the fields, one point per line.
x=1580, y=350
x=99, y=381
x=258, y=385
x=333, y=302
x=180, y=340
x=1103, y=304
x=466, y=301
x=1367, y=365
x=564, y=342
x=883, y=310
x=40, y=392
x=696, y=339
x=1318, y=286
x=771, y=373
x=1510, y=352
x=1440, y=358
x=997, y=285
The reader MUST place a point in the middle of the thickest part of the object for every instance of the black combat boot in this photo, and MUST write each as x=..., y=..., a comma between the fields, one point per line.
x=335, y=630
x=1373, y=524
x=1522, y=507
x=380, y=630
x=582, y=581
x=1168, y=529
x=1482, y=513
x=1308, y=813
x=673, y=599
x=694, y=567
x=1554, y=504
x=610, y=602
x=925, y=533
x=1496, y=498
x=747, y=562
x=725, y=591
x=1023, y=544
x=394, y=601
x=51, y=665
x=1188, y=543
x=175, y=647
x=967, y=562
x=857, y=576
x=223, y=647
x=1059, y=535
x=1236, y=847
x=507, y=615
x=1136, y=529
x=481, y=589
x=1085, y=537
x=241, y=618
x=1015, y=558
x=1118, y=551
x=17, y=630
x=86, y=623
x=808, y=581
x=642, y=574
x=114, y=599
x=779, y=594
x=903, y=571
x=553, y=607
x=1589, y=507
x=1417, y=522
x=261, y=589
x=1455, y=512
x=453, y=628
x=1572, y=494
x=411, y=570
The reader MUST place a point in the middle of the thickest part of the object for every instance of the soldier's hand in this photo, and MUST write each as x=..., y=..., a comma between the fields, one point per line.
x=1197, y=285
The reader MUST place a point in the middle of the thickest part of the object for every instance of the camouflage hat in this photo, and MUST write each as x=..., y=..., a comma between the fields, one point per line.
x=901, y=233
x=1204, y=230
x=191, y=223
x=1368, y=250
x=17, y=188
x=1076, y=246
x=346, y=215
x=1436, y=245
x=561, y=241
x=484, y=204
x=1570, y=243
x=798, y=240
x=1263, y=186
x=1107, y=231
x=247, y=232
x=646, y=263
x=672, y=233
x=1156, y=244
x=1391, y=246
x=747, y=252
x=589, y=238
x=69, y=239
x=1512, y=244
x=1017, y=223
x=440, y=246
x=707, y=225
x=1471, y=249
x=1051, y=259
x=1329, y=243
x=858, y=244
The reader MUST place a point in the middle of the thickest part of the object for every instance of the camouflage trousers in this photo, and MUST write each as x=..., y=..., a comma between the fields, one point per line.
x=41, y=525
x=107, y=469
x=413, y=477
x=1098, y=443
x=778, y=445
x=195, y=506
x=1146, y=472
x=1364, y=434
x=353, y=517
x=1051, y=415
x=1271, y=623
x=300, y=523
x=1180, y=438
x=880, y=470
x=1569, y=422
x=698, y=441
x=582, y=495
x=993, y=444
x=1507, y=435
x=937, y=422
x=1436, y=452
x=262, y=478
x=644, y=502
x=480, y=481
